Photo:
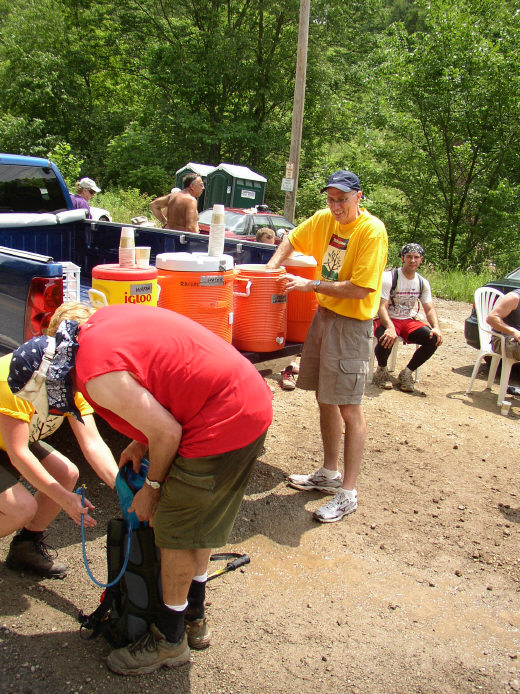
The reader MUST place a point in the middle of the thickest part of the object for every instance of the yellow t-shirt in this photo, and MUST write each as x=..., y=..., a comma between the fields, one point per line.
x=18, y=408
x=355, y=252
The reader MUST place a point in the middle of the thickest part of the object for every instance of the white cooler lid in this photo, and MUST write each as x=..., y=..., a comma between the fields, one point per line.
x=193, y=262
x=300, y=260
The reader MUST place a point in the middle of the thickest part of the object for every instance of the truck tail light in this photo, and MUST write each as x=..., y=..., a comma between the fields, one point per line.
x=45, y=295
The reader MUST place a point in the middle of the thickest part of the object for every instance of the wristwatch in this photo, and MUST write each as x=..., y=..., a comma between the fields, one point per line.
x=152, y=483
x=316, y=285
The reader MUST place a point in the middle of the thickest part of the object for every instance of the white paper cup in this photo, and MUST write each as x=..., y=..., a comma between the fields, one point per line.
x=142, y=256
x=127, y=238
x=218, y=216
x=126, y=257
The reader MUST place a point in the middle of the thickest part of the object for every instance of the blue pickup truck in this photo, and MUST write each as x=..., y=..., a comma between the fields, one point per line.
x=37, y=218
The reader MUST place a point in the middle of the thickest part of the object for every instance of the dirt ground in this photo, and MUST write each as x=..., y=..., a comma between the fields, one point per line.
x=417, y=592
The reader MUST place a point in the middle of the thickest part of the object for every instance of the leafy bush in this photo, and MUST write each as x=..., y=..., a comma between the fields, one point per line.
x=123, y=205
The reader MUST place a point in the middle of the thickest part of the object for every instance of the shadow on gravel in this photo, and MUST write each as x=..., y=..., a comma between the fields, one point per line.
x=18, y=585
x=61, y=662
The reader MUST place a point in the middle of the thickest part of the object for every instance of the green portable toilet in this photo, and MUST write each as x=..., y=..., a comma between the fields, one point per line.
x=234, y=186
x=201, y=170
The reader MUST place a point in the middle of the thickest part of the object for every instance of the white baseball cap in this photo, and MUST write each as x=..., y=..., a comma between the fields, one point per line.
x=89, y=184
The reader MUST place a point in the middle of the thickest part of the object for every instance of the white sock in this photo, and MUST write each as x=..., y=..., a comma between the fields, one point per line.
x=202, y=578
x=349, y=494
x=177, y=608
x=330, y=474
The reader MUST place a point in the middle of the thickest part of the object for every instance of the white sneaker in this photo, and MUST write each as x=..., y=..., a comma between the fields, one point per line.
x=317, y=481
x=336, y=508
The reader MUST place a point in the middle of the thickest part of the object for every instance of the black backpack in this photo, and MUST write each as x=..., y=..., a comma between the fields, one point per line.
x=129, y=607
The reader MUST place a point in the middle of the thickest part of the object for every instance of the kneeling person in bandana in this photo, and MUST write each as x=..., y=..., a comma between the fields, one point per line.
x=23, y=453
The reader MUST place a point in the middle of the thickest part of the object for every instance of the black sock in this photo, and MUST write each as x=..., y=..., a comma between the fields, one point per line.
x=196, y=597
x=171, y=623
x=28, y=535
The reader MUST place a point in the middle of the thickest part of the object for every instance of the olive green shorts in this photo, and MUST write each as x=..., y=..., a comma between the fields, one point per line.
x=201, y=497
x=9, y=475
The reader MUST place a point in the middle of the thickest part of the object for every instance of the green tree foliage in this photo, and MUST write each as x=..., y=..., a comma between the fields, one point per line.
x=419, y=98
x=449, y=113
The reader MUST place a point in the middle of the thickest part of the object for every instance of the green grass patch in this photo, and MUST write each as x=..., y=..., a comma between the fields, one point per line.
x=455, y=284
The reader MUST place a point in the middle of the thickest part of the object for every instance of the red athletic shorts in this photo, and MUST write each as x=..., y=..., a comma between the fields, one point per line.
x=403, y=326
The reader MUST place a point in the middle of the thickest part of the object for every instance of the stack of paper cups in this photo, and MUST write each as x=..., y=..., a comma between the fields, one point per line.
x=217, y=231
x=127, y=248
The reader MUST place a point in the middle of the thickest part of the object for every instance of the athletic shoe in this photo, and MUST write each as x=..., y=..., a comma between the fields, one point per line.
x=149, y=653
x=405, y=380
x=198, y=633
x=295, y=367
x=381, y=378
x=35, y=557
x=336, y=508
x=288, y=382
x=317, y=481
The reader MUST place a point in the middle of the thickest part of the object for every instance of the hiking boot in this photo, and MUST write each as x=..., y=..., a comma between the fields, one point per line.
x=149, y=653
x=317, y=480
x=34, y=556
x=336, y=508
x=405, y=380
x=381, y=378
x=198, y=633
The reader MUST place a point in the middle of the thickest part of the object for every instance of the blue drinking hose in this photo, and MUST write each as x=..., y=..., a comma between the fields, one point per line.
x=81, y=492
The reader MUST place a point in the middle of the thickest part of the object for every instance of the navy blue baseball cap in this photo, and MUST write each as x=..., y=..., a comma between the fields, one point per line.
x=343, y=180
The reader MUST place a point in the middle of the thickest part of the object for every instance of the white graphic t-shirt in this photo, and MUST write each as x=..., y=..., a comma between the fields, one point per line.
x=404, y=304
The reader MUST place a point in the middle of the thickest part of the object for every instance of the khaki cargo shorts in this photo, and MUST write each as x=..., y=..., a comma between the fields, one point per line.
x=201, y=497
x=335, y=358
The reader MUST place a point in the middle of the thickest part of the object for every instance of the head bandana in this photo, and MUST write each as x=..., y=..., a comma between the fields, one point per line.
x=42, y=375
x=412, y=248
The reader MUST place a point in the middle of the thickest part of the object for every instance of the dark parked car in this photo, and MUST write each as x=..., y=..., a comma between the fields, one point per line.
x=244, y=223
x=505, y=285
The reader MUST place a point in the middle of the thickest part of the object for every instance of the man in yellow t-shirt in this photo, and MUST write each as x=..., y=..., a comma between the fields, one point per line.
x=350, y=246
x=24, y=454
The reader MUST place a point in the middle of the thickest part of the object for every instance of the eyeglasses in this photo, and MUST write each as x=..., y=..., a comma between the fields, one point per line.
x=339, y=201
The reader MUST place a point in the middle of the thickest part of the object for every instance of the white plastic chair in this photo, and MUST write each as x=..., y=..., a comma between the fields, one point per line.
x=485, y=300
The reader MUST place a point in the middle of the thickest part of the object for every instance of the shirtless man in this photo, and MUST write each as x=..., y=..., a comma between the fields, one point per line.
x=159, y=206
x=180, y=206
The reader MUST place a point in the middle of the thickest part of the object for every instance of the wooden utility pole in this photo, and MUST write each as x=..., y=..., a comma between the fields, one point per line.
x=290, y=182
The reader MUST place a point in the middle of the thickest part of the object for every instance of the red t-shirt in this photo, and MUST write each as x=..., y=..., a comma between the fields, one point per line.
x=214, y=392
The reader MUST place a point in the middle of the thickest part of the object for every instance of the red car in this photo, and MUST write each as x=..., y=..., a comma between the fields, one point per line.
x=244, y=223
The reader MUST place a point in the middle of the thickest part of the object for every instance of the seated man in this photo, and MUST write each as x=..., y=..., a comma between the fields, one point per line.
x=23, y=454
x=402, y=289
x=505, y=318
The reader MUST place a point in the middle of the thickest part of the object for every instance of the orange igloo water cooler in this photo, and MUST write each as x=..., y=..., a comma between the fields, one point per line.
x=260, y=308
x=200, y=287
x=301, y=306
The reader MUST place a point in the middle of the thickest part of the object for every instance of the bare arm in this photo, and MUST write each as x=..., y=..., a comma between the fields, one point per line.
x=121, y=393
x=95, y=450
x=503, y=308
x=158, y=205
x=388, y=338
x=15, y=434
x=344, y=289
x=433, y=320
x=283, y=251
